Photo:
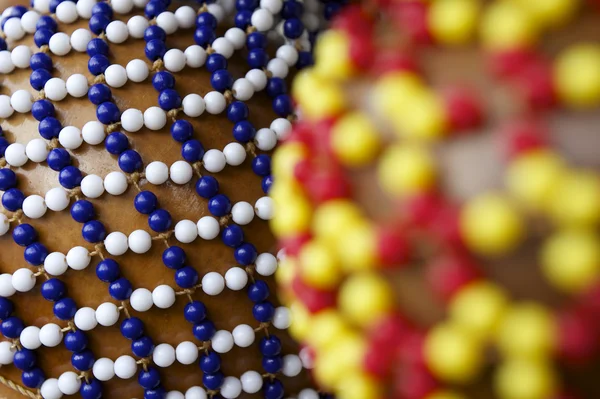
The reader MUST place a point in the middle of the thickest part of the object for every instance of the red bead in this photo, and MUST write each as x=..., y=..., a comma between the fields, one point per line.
x=353, y=20
x=361, y=50
x=524, y=136
x=325, y=185
x=393, y=248
x=414, y=383
x=303, y=170
x=589, y=301
x=512, y=62
x=463, y=109
x=393, y=61
x=314, y=299
x=537, y=86
x=411, y=17
x=421, y=209
x=446, y=227
x=410, y=353
x=293, y=244
x=378, y=360
x=301, y=133
x=449, y=273
x=577, y=339
x=390, y=331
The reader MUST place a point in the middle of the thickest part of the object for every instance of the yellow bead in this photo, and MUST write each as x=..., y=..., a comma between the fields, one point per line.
x=291, y=217
x=452, y=354
x=332, y=55
x=286, y=158
x=286, y=271
x=394, y=91
x=576, y=201
x=333, y=218
x=342, y=358
x=357, y=248
x=453, y=21
x=354, y=139
x=406, y=169
x=525, y=379
x=490, y=225
x=577, y=75
x=445, y=394
x=532, y=177
x=549, y=13
x=300, y=327
x=328, y=101
x=306, y=82
x=528, y=330
x=358, y=386
x=571, y=259
x=319, y=266
x=327, y=327
x=506, y=26
x=365, y=297
x=422, y=118
x=478, y=308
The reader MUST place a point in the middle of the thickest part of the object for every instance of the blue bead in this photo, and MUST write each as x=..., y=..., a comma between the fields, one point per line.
x=42, y=37
x=293, y=28
x=257, y=58
x=237, y=111
x=155, y=32
x=155, y=49
x=99, y=93
x=145, y=202
x=258, y=291
x=98, y=23
x=266, y=183
x=6, y=308
x=3, y=45
x=292, y=9
x=181, y=130
x=75, y=341
x=35, y=254
x=49, y=128
x=272, y=364
x=210, y=362
x=82, y=211
x=159, y=220
x=97, y=46
x=305, y=59
x=103, y=8
x=24, y=359
x=204, y=35
x=143, y=346
x=192, y=151
x=331, y=9
x=270, y=346
x=120, y=289
x=42, y=109
x=65, y=308
x=70, y=177
x=219, y=205
x=108, y=270
x=261, y=165
x=163, y=80
x=11, y=327
x=194, y=312
x=245, y=254
x=186, y=277
x=174, y=257
x=8, y=179
x=149, y=378
x=283, y=105
x=206, y=19
x=243, y=18
x=54, y=4
x=221, y=80
x=130, y=161
x=17, y=11
x=273, y=389
x=46, y=22
x=155, y=393
x=93, y=231
x=232, y=235
x=3, y=146
x=216, y=61
x=53, y=289
x=169, y=99
x=40, y=61
x=256, y=40
x=132, y=328
x=83, y=360
x=116, y=143
x=33, y=378
x=154, y=8
x=275, y=87
x=246, y=5
x=263, y=311
x=24, y=234
x=98, y=64
x=38, y=78
x=243, y=131
x=91, y=389
x=12, y=199
x=204, y=331
x=108, y=113
x=213, y=381
x=207, y=186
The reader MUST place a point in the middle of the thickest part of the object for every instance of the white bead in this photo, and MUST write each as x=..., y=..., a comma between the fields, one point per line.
x=208, y=227
x=93, y=133
x=278, y=68
x=30, y=338
x=222, y=341
x=266, y=264
x=125, y=367
x=104, y=369
x=214, y=160
x=157, y=172
x=20, y=56
x=213, y=283
x=4, y=225
x=37, y=150
x=174, y=395
x=117, y=32
x=223, y=46
x=7, y=353
x=80, y=39
x=70, y=137
x=236, y=278
x=186, y=352
x=307, y=358
x=42, y=6
x=193, y=105
x=122, y=6
x=231, y=388
x=21, y=101
x=262, y=20
x=174, y=60
x=186, y=231
x=13, y=29
x=243, y=89
x=195, y=56
x=84, y=8
x=141, y=299
x=140, y=241
x=77, y=85
x=217, y=11
x=274, y=6
x=140, y=3
x=50, y=335
x=308, y=394
x=251, y=382
x=265, y=139
x=186, y=17
x=6, y=110
x=288, y=53
x=57, y=199
x=78, y=258
x=15, y=155
x=235, y=154
x=237, y=37
x=258, y=78
x=107, y=314
x=66, y=12
x=29, y=21
x=163, y=296
x=6, y=64
x=55, y=264
x=168, y=22
x=215, y=102
x=282, y=128
x=195, y=393
x=242, y=213
x=137, y=70
x=243, y=335
x=181, y=172
x=6, y=286
x=132, y=120
x=60, y=42
x=163, y=355
x=115, y=183
x=23, y=280
x=115, y=75
x=137, y=26
x=281, y=318
x=49, y=389
x=116, y=243
x=155, y=118
x=85, y=319
x=92, y=186
x=292, y=365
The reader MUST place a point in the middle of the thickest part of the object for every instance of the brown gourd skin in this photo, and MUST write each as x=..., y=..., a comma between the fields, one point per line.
x=59, y=232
